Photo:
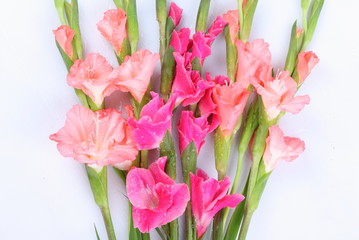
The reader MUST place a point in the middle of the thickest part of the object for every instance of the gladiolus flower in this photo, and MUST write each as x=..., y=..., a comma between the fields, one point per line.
x=113, y=27
x=279, y=147
x=180, y=40
x=251, y=57
x=215, y=29
x=156, y=198
x=306, y=62
x=155, y=120
x=230, y=101
x=64, y=36
x=200, y=49
x=209, y=196
x=175, y=13
x=134, y=74
x=92, y=76
x=231, y=17
x=192, y=129
x=188, y=86
x=278, y=93
x=98, y=138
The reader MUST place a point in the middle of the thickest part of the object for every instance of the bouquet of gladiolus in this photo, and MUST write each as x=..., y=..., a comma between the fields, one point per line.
x=248, y=103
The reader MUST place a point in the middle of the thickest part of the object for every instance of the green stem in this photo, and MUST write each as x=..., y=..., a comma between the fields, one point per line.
x=144, y=158
x=132, y=25
x=108, y=222
x=145, y=236
x=202, y=16
x=245, y=225
x=218, y=225
x=134, y=233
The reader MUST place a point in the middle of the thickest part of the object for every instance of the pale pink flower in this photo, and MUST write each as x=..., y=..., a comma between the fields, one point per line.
x=188, y=86
x=113, y=28
x=98, y=138
x=280, y=148
x=155, y=120
x=134, y=74
x=180, y=40
x=64, y=36
x=192, y=129
x=278, y=93
x=230, y=101
x=231, y=17
x=175, y=13
x=92, y=76
x=306, y=62
x=155, y=197
x=209, y=196
x=251, y=57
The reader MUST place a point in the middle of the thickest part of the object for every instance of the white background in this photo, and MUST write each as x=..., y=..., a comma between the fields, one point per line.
x=45, y=196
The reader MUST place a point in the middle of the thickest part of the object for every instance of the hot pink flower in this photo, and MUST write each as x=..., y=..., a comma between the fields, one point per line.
x=92, y=76
x=188, y=86
x=209, y=196
x=251, y=57
x=306, y=62
x=278, y=93
x=155, y=120
x=134, y=74
x=175, y=13
x=215, y=29
x=98, y=138
x=192, y=129
x=156, y=198
x=230, y=101
x=233, y=23
x=113, y=27
x=279, y=147
x=180, y=40
x=64, y=35
x=200, y=49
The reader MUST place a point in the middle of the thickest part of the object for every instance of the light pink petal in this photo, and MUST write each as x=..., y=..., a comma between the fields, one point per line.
x=295, y=147
x=175, y=13
x=231, y=17
x=306, y=62
x=64, y=36
x=296, y=104
x=113, y=27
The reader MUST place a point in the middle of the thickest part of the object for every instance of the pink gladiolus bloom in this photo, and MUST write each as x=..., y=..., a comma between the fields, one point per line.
x=233, y=23
x=230, y=101
x=251, y=57
x=175, y=13
x=134, y=74
x=113, y=27
x=306, y=62
x=209, y=196
x=188, y=86
x=192, y=129
x=201, y=49
x=278, y=93
x=92, y=76
x=215, y=29
x=279, y=147
x=155, y=120
x=98, y=138
x=64, y=35
x=180, y=40
x=156, y=198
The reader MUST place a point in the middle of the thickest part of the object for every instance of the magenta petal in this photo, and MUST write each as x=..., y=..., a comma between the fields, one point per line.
x=175, y=13
x=157, y=171
x=145, y=219
x=200, y=48
x=227, y=201
x=180, y=198
x=180, y=40
x=164, y=196
x=196, y=196
x=215, y=29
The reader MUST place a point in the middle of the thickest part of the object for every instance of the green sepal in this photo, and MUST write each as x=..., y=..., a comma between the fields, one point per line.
x=313, y=20
x=248, y=14
x=121, y=4
x=167, y=148
x=121, y=174
x=132, y=25
x=98, y=183
x=292, y=54
x=231, y=55
x=83, y=97
x=161, y=15
x=202, y=16
x=77, y=41
x=125, y=51
x=189, y=161
x=167, y=72
x=196, y=64
x=170, y=26
x=257, y=192
x=60, y=7
x=222, y=152
x=68, y=62
x=139, y=105
x=97, y=235
x=133, y=233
